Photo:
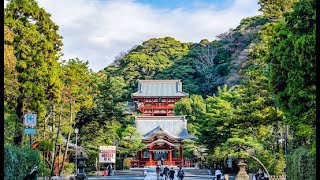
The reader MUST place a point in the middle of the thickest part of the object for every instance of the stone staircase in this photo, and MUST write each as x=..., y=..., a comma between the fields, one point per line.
x=140, y=171
x=193, y=172
x=129, y=172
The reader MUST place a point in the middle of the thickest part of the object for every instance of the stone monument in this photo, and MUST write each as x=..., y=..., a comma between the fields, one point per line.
x=242, y=174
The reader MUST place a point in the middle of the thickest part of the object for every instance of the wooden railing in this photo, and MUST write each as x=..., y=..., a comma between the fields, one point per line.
x=155, y=107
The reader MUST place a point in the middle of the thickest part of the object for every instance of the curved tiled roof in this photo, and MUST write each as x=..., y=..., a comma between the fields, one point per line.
x=159, y=131
x=174, y=126
x=162, y=141
x=159, y=88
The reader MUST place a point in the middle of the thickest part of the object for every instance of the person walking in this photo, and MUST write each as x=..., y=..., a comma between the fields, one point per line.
x=171, y=174
x=162, y=161
x=260, y=175
x=158, y=172
x=165, y=172
x=218, y=175
x=109, y=169
x=180, y=174
x=105, y=172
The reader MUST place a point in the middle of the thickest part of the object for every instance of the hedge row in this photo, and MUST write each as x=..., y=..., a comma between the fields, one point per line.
x=301, y=165
x=18, y=161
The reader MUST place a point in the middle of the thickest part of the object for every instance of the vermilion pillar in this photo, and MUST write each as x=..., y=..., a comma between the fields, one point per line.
x=170, y=157
x=181, y=155
x=150, y=158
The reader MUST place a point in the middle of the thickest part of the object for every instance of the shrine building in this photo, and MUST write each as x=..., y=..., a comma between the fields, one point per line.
x=160, y=130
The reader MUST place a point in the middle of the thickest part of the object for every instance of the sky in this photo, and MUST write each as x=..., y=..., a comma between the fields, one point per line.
x=99, y=30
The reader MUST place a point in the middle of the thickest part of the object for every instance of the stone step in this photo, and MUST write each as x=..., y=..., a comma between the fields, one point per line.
x=128, y=172
x=195, y=172
x=140, y=171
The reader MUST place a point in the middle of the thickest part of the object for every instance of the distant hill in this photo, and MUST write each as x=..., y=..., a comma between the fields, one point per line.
x=202, y=66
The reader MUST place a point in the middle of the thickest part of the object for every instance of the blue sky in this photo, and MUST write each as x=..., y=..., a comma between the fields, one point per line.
x=186, y=4
x=99, y=30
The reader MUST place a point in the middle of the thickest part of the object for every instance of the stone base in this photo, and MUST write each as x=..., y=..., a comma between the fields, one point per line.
x=242, y=176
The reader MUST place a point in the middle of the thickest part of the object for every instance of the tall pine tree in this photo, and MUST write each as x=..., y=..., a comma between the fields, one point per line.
x=37, y=47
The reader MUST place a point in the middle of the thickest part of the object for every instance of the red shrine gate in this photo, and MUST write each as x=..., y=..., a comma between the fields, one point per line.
x=160, y=130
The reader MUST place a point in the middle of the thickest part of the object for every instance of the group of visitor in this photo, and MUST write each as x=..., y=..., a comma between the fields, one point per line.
x=260, y=175
x=169, y=174
x=108, y=170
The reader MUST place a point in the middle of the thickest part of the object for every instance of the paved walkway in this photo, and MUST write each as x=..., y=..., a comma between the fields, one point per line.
x=148, y=177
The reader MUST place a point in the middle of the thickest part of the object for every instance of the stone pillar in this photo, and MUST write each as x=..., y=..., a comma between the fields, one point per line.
x=242, y=174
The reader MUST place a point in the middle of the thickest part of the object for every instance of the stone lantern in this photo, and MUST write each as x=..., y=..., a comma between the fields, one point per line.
x=81, y=175
x=242, y=174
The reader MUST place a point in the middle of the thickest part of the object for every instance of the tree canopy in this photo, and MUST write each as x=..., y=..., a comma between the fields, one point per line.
x=252, y=89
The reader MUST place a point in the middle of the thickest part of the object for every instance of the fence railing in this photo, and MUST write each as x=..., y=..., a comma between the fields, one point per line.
x=277, y=177
x=272, y=177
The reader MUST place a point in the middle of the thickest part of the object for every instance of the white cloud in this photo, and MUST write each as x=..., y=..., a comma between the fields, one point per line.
x=98, y=31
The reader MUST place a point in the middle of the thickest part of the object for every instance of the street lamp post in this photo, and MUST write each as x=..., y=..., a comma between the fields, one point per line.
x=284, y=139
x=286, y=149
x=76, y=131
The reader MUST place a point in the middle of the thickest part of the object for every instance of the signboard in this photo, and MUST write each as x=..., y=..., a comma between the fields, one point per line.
x=30, y=120
x=30, y=131
x=107, y=154
x=30, y=123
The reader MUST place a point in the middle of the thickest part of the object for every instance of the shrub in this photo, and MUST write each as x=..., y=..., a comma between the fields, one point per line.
x=126, y=163
x=44, y=170
x=18, y=161
x=119, y=163
x=301, y=164
x=69, y=168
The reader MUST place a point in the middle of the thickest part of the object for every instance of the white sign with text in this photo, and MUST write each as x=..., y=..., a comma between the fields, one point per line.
x=107, y=154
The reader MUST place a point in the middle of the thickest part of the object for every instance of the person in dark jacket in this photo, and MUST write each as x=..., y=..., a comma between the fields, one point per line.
x=166, y=172
x=180, y=174
x=171, y=174
x=158, y=172
x=109, y=169
x=260, y=175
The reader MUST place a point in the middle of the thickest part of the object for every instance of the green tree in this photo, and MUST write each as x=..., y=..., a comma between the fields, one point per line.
x=275, y=9
x=10, y=86
x=108, y=101
x=10, y=72
x=216, y=123
x=37, y=45
x=194, y=108
x=131, y=141
x=104, y=134
x=146, y=60
x=292, y=58
x=10, y=119
x=77, y=91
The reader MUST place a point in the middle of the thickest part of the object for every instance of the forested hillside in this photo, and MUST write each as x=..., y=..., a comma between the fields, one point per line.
x=252, y=90
x=202, y=66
